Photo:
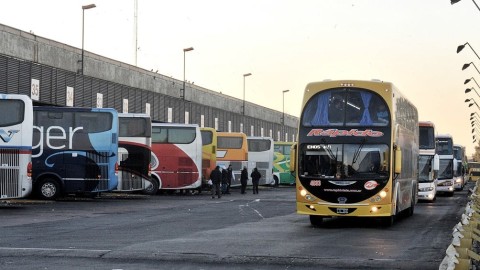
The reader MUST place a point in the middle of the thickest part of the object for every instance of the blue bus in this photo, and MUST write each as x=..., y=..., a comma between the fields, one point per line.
x=74, y=151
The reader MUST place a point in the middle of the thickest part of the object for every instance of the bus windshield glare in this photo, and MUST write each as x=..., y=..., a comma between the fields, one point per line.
x=425, y=168
x=346, y=161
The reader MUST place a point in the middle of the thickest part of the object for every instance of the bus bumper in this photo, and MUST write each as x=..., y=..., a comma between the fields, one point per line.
x=352, y=210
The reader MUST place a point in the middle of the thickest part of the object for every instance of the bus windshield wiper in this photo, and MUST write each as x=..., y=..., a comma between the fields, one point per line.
x=356, y=155
x=329, y=151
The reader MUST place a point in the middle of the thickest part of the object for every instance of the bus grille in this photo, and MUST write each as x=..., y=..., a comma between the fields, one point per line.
x=9, y=173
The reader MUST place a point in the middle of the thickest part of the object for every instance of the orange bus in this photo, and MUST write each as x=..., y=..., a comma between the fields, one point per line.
x=232, y=149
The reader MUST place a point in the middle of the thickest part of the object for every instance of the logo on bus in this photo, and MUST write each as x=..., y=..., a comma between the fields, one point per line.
x=318, y=132
x=370, y=185
x=6, y=137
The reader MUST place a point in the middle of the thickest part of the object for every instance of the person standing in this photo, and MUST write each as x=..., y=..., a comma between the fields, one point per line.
x=224, y=180
x=230, y=176
x=255, y=175
x=216, y=177
x=243, y=180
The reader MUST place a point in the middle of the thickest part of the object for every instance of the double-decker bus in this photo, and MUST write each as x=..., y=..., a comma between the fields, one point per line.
x=209, y=153
x=459, y=173
x=232, y=149
x=427, y=162
x=15, y=146
x=74, y=150
x=473, y=171
x=134, y=153
x=177, y=156
x=281, y=163
x=444, y=150
x=260, y=153
x=356, y=152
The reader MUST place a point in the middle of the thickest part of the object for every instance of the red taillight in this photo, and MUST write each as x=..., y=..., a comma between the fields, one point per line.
x=116, y=168
x=29, y=169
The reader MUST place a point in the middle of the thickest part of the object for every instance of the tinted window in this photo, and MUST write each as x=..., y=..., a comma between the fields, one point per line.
x=229, y=142
x=207, y=137
x=173, y=135
x=134, y=127
x=259, y=145
x=12, y=112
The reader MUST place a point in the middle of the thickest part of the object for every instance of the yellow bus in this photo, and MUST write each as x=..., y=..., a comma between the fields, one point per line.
x=209, y=152
x=474, y=171
x=232, y=149
x=357, y=151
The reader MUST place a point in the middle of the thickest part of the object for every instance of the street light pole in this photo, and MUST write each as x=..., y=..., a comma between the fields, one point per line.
x=183, y=89
x=83, y=26
x=465, y=66
x=283, y=112
x=244, y=75
x=456, y=1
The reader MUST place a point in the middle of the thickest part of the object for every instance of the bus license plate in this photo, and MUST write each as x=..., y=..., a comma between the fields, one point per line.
x=342, y=211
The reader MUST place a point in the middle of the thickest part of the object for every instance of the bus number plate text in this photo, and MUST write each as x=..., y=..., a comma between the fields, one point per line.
x=342, y=211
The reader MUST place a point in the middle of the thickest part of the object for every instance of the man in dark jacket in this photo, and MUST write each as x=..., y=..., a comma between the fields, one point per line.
x=224, y=180
x=216, y=177
x=229, y=178
x=244, y=179
x=255, y=179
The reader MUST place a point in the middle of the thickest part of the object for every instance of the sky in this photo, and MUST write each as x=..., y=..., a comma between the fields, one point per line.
x=285, y=44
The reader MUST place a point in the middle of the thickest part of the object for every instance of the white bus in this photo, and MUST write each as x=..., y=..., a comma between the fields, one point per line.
x=177, y=156
x=134, y=153
x=260, y=155
x=444, y=150
x=427, y=162
x=459, y=173
x=16, y=125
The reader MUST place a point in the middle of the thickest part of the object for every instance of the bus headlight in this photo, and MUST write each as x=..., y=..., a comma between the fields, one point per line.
x=425, y=189
x=303, y=192
x=373, y=209
x=383, y=194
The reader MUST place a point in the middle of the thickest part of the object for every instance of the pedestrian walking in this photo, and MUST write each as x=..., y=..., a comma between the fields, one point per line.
x=243, y=180
x=216, y=177
x=230, y=177
x=255, y=175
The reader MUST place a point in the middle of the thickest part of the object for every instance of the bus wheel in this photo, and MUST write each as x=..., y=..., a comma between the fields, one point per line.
x=48, y=189
x=152, y=188
x=316, y=221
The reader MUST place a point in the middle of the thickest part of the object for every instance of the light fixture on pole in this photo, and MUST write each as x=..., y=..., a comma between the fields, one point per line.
x=460, y=48
x=468, y=80
x=456, y=1
x=465, y=66
x=244, y=75
x=470, y=89
x=182, y=93
x=83, y=34
x=283, y=112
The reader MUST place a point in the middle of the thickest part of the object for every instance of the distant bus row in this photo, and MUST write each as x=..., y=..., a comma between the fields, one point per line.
x=63, y=150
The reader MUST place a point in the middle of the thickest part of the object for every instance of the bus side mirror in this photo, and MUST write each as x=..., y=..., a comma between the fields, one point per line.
x=398, y=161
x=293, y=155
x=436, y=163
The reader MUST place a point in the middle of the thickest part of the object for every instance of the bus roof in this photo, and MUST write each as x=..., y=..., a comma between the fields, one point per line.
x=426, y=124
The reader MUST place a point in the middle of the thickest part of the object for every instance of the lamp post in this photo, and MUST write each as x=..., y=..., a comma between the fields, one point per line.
x=456, y=1
x=465, y=66
x=468, y=80
x=283, y=112
x=83, y=27
x=182, y=94
x=460, y=48
x=244, y=75
x=470, y=89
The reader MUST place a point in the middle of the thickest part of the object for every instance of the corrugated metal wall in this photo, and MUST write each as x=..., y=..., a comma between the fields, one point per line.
x=16, y=78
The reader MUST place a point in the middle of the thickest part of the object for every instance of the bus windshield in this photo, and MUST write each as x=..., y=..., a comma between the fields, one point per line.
x=425, y=169
x=341, y=161
x=346, y=107
x=446, y=169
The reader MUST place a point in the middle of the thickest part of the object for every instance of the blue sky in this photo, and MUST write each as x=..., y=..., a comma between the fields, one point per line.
x=284, y=44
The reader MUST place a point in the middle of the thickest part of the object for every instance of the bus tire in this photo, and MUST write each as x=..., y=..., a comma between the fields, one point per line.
x=316, y=221
x=152, y=189
x=388, y=221
x=277, y=182
x=48, y=189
